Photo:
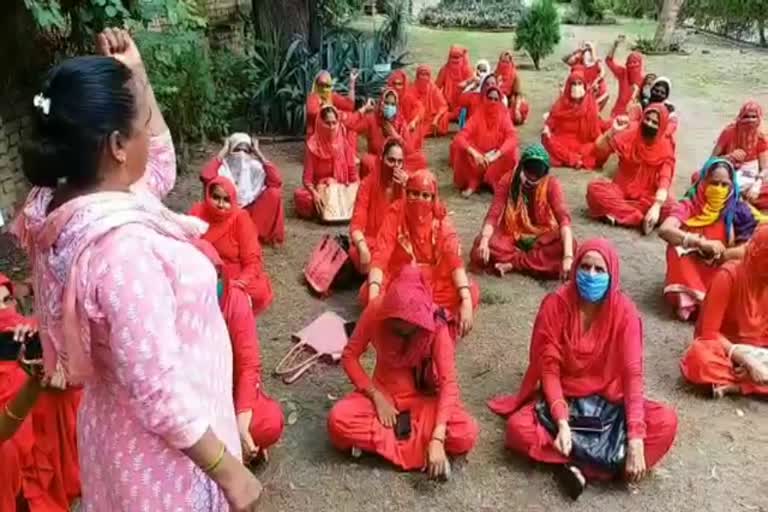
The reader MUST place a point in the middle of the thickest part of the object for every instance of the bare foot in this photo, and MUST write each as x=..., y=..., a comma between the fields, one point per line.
x=466, y=193
x=503, y=268
x=721, y=391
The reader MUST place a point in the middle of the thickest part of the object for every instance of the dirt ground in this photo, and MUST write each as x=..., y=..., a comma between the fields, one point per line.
x=720, y=459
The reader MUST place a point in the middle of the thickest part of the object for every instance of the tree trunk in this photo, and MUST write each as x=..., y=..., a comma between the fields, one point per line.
x=761, y=33
x=667, y=23
x=288, y=18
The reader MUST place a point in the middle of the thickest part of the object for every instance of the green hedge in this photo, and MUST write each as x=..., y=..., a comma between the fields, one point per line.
x=471, y=14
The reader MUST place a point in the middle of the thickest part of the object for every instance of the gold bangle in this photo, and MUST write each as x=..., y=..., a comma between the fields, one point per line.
x=217, y=462
x=374, y=283
x=11, y=415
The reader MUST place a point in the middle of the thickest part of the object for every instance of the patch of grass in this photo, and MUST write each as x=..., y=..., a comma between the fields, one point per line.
x=494, y=296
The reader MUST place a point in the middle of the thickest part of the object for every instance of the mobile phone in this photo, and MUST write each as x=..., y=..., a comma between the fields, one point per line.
x=586, y=424
x=10, y=348
x=403, y=426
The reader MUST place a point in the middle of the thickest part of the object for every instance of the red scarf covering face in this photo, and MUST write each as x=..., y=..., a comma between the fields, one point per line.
x=493, y=112
x=585, y=110
x=9, y=316
x=630, y=144
x=506, y=72
x=425, y=90
x=219, y=221
x=596, y=353
x=407, y=298
x=747, y=134
x=749, y=295
x=398, y=76
x=634, y=66
x=458, y=67
x=332, y=144
x=420, y=222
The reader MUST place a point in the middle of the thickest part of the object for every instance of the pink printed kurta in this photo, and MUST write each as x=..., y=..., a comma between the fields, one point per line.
x=161, y=359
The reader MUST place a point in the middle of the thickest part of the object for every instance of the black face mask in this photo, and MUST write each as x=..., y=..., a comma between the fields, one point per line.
x=535, y=169
x=648, y=131
x=657, y=97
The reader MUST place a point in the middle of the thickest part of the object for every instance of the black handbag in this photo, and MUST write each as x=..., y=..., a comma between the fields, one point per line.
x=598, y=431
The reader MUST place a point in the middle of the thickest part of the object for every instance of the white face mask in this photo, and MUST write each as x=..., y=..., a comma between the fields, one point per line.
x=578, y=91
x=589, y=59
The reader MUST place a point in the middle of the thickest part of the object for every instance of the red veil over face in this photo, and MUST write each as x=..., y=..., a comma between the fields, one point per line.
x=635, y=68
x=592, y=361
x=506, y=72
x=585, y=110
x=426, y=91
x=630, y=144
x=409, y=299
x=747, y=134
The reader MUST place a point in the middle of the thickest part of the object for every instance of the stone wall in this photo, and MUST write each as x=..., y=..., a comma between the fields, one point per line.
x=14, y=119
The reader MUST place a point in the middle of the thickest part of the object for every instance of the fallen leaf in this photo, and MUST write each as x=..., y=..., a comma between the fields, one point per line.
x=713, y=473
x=293, y=417
x=331, y=397
x=739, y=413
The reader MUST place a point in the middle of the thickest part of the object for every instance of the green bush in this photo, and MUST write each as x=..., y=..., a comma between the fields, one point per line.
x=587, y=12
x=470, y=14
x=636, y=8
x=539, y=31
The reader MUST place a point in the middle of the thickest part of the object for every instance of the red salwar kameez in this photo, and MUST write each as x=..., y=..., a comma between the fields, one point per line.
x=457, y=70
x=509, y=84
x=644, y=168
x=567, y=361
x=436, y=119
x=629, y=77
x=488, y=130
x=735, y=308
x=233, y=235
x=418, y=375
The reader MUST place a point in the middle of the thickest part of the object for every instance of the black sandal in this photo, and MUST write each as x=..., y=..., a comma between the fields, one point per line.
x=571, y=480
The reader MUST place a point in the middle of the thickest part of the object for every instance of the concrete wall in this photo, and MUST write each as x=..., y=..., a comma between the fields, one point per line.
x=14, y=118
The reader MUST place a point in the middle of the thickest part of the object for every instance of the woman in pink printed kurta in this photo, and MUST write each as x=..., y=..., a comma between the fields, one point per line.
x=128, y=308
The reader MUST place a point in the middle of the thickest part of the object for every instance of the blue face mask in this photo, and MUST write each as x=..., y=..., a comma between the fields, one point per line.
x=592, y=287
x=390, y=111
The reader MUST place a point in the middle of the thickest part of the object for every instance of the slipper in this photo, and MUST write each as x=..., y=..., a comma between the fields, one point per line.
x=571, y=480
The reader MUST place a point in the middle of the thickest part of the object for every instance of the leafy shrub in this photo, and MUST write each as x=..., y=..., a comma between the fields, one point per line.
x=636, y=8
x=470, y=14
x=587, y=12
x=539, y=31
x=648, y=45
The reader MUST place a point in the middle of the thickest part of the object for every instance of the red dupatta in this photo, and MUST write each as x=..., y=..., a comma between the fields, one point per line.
x=567, y=109
x=407, y=298
x=591, y=361
x=380, y=199
x=630, y=145
x=332, y=144
x=399, y=122
x=506, y=73
x=489, y=122
x=220, y=222
x=421, y=222
x=427, y=92
x=408, y=103
x=456, y=70
x=635, y=69
x=743, y=135
x=9, y=316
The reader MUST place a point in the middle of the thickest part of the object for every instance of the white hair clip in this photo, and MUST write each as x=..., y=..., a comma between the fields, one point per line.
x=42, y=103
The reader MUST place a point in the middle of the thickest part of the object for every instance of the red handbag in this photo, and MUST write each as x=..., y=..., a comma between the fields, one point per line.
x=325, y=262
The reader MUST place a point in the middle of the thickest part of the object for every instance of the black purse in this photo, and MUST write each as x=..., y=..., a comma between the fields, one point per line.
x=598, y=431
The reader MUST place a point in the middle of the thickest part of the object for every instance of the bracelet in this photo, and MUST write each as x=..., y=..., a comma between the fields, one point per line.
x=568, y=257
x=731, y=351
x=439, y=440
x=374, y=283
x=553, y=404
x=463, y=287
x=217, y=462
x=686, y=237
x=11, y=415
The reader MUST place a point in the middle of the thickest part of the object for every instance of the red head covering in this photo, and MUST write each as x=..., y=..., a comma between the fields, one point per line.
x=459, y=65
x=219, y=221
x=407, y=298
x=399, y=121
x=632, y=146
x=585, y=110
x=425, y=91
x=398, y=76
x=419, y=216
x=592, y=361
x=494, y=112
x=506, y=71
x=748, y=134
x=382, y=180
x=9, y=316
x=635, y=65
x=423, y=82
x=756, y=258
x=332, y=144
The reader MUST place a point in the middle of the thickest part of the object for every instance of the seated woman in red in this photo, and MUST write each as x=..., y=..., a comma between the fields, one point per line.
x=730, y=351
x=417, y=231
x=528, y=226
x=260, y=419
x=322, y=95
x=573, y=126
x=38, y=449
x=587, y=342
x=641, y=186
x=509, y=83
x=232, y=233
x=486, y=148
x=745, y=143
x=258, y=182
x=452, y=75
x=630, y=78
x=410, y=413
x=436, y=118
x=704, y=230
x=328, y=157
x=377, y=192
x=594, y=72
x=382, y=123
x=409, y=105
